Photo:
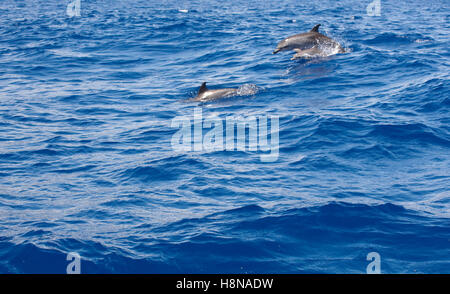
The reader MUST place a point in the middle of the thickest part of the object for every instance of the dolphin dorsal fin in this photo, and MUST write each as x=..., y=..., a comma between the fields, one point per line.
x=315, y=28
x=203, y=88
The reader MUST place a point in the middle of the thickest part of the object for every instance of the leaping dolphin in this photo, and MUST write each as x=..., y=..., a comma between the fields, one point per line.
x=311, y=40
x=205, y=94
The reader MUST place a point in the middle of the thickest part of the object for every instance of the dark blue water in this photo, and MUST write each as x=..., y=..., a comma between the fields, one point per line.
x=87, y=166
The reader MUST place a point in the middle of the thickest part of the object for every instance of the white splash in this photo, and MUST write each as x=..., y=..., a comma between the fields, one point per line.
x=247, y=90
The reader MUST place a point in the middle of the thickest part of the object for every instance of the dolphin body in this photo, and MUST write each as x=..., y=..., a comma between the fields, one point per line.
x=205, y=94
x=307, y=53
x=307, y=41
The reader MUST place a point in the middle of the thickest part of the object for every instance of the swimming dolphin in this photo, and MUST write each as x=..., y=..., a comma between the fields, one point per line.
x=306, y=41
x=204, y=94
x=308, y=53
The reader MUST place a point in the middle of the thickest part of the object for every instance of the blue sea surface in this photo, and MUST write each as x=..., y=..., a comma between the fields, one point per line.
x=87, y=164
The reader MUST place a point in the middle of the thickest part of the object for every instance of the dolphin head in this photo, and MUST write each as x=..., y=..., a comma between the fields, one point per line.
x=281, y=47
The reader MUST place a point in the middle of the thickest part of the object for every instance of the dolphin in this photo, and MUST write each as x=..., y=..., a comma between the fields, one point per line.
x=205, y=94
x=307, y=41
x=308, y=53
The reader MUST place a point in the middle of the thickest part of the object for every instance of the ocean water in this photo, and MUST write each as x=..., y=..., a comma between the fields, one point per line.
x=87, y=164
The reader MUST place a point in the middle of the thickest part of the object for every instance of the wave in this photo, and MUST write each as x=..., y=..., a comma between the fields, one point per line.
x=251, y=239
